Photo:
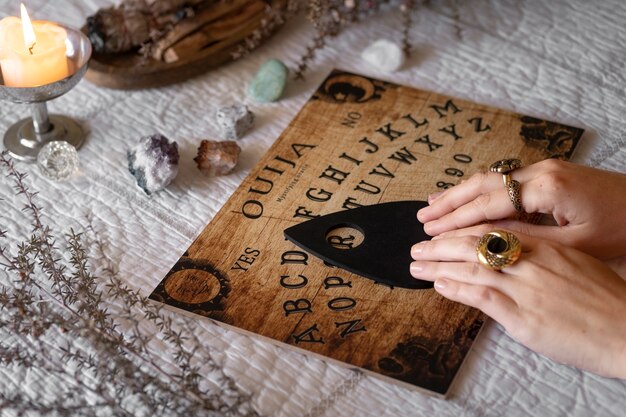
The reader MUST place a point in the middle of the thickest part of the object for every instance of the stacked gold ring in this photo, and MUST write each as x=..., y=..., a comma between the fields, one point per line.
x=505, y=167
x=498, y=249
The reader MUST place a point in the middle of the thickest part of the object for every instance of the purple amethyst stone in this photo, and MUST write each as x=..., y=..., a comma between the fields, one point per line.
x=153, y=162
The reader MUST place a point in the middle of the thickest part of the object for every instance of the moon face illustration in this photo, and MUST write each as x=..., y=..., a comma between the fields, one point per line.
x=350, y=88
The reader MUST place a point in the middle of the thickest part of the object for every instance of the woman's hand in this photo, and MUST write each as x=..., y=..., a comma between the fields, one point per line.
x=588, y=205
x=555, y=300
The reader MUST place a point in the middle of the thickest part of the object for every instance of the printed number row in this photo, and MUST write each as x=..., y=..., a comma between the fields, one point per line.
x=455, y=172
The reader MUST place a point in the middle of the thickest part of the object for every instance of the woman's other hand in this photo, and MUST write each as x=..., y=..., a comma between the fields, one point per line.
x=556, y=300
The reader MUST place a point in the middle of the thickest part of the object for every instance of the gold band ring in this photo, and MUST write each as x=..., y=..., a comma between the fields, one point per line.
x=505, y=167
x=498, y=249
x=514, y=189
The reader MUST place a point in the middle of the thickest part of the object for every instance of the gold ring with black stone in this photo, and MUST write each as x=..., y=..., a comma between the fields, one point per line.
x=498, y=249
x=505, y=167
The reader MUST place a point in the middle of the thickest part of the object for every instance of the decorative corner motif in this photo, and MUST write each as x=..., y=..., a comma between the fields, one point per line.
x=433, y=366
x=557, y=140
x=344, y=87
x=193, y=285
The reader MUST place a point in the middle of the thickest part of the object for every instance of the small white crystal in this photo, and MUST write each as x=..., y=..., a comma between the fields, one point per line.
x=234, y=121
x=384, y=55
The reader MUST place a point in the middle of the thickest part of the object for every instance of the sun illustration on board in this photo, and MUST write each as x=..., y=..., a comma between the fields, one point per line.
x=195, y=285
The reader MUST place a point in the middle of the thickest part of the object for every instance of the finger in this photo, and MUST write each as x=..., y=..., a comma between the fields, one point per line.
x=468, y=190
x=459, y=195
x=460, y=245
x=489, y=206
x=456, y=259
x=461, y=248
x=517, y=228
x=489, y=300
x=497, y=206
x=434, y=196
x=554, y=233
x=466, y=272
x=478, y=231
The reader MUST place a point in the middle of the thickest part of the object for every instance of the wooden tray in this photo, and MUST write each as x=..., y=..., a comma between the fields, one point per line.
x=131, y=71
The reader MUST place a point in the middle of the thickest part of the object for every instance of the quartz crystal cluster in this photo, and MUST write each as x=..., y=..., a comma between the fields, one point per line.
x=58, y=160
x=153, y=162
x=384, y=55
x=234, y=121
x=217, y=158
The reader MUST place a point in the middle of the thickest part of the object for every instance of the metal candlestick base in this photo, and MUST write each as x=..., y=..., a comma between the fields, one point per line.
x=25, y=138
x=24, y=143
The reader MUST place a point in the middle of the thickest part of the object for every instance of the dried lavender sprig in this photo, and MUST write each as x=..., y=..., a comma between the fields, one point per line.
x=41, y=359
x=406, y=8
x=40, y=243
x=83, y=293
x=79, y=329
x=153, y=313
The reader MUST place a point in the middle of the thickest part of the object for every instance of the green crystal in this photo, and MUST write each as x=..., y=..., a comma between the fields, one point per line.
x=269, y=82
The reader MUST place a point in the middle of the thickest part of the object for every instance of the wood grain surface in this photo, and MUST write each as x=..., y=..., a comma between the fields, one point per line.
x=357, y=141
x=205, y=48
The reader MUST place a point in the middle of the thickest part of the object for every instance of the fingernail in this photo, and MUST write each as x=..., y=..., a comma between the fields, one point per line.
x=416, y=268
x=432, y=197
x=441, y=284
x=428, y=228
x=416, y=249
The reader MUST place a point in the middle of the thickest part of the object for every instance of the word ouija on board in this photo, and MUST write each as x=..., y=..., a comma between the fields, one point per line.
x=358, y=141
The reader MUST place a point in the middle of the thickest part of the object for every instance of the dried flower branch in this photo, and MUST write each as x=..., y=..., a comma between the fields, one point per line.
x=406, y=8
x=101, y=344
x=330, y=17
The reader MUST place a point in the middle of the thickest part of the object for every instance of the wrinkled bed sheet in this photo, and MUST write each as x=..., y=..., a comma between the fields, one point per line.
x=560, y=60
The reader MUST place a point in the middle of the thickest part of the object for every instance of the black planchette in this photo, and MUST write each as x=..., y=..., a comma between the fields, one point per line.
x=384, y=255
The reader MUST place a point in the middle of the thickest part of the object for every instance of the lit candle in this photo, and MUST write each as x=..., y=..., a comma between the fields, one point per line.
x=32, y=54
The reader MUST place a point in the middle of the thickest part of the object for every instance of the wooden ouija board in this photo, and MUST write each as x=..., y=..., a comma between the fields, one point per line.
x=358, y=141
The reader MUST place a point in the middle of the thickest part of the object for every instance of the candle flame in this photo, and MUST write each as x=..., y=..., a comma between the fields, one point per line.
x=27, y=27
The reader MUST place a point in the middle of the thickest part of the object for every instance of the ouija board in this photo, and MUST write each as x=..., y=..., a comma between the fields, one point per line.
x=358, y=141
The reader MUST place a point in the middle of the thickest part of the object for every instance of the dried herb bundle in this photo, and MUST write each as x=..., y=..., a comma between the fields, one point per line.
x=174, y=30
x=105, y=348
x=136, y=22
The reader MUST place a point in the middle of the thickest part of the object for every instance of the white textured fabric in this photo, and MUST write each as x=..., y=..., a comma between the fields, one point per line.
x=560, y=60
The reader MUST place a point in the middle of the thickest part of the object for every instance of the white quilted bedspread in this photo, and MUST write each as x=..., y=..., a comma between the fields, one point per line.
x=560, y=60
